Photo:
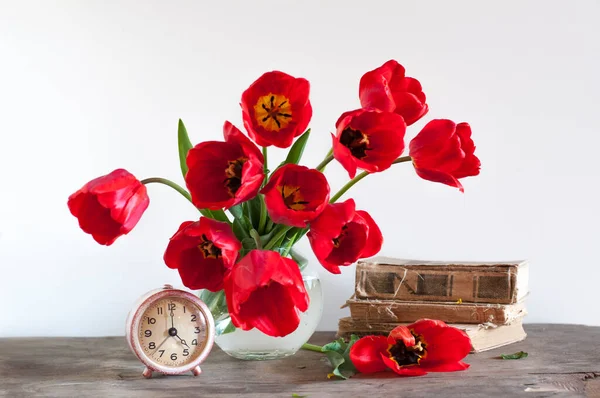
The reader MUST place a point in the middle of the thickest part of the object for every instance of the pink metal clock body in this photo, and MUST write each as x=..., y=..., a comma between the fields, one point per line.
x=171, y=331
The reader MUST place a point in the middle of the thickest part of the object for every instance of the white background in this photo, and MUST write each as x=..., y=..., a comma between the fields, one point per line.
x=90, y=86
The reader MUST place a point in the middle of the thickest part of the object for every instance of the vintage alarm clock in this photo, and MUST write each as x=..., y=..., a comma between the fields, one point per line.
x=171, y=331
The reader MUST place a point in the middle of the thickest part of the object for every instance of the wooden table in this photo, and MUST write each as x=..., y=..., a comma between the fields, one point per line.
x=564, y=361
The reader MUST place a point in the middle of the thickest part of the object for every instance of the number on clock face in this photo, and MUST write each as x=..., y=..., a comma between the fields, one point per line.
x=172, y=332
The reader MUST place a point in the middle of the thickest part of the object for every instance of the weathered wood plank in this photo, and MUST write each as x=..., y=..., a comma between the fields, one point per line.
x=564, y=360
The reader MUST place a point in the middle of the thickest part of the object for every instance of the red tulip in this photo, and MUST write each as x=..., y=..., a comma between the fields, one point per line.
x=109, y=206
x=413, y=350
x=444, y=152
x=368, y=139
x=388, y=89
x=341, y=235
x=296, y=195
x=203, y=252
x=223, y=174
x=276, y=109
x=266, y=291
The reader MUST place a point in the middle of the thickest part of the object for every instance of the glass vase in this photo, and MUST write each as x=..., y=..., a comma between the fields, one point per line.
x=255, y=345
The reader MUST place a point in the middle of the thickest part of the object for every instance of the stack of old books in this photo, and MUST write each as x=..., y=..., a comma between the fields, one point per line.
x=486, y=300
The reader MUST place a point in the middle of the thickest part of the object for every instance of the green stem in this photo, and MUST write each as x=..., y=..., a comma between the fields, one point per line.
x=168, y=183
x=292, y=241
x=216, y=215
x=262, y=221
x=269, y=226
x=325, y=162
x=265, y=164
x=348, y=185
x=254, y=234
x=312, y=347
x=283, y=229
x=359, y=177
x=402, y=159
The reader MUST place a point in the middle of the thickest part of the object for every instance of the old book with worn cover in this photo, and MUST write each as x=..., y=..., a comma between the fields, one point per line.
x=483, y=336
x=410, y=311
x=415, y=280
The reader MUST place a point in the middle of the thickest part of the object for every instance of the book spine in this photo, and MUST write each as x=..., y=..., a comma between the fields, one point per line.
x=389, y=311
x=493, y=285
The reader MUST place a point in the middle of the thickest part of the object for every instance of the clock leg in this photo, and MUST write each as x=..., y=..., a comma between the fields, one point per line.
x=147, y=373
x=196, y=371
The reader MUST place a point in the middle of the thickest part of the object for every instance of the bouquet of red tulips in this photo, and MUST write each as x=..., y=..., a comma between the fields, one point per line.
x=245, y=261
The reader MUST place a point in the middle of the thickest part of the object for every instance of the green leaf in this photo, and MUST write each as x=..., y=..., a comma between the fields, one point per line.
x=254, y=208
x=248, y=244
x=294, y=395
x=224, y=326
x=236, y=211
x=296, y=151
x=215, y=301
x=516, y=355
x=264, y=239
x=338, y=353
x=240, y=231
x=299, y=259
x=220, y=215
x=184, y=143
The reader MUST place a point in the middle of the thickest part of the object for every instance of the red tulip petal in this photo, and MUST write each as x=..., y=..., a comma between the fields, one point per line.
x=410, y=107
x=307, y=188
x=402, y=333
x=423, y=325
x=374, y=237
x=433, y=137
x=447, y=367
x=438, y=176
x=196, y=270
x=295, y=90
x=410, y=370
x=381, y=143
x=343, y=155
x=333, y=218
x=265, y=291
x=95, y=219
x=233, y=135
x=366, y=354
x=134, y=208
x=220, y=233
x=322, y=247
x=469, y=167
x=444, y=345
x=388, y=89
x=463, y=130
x=109, y=206
x=350, y=245
x=374, y=90
x=271, y=310
x=471, y=164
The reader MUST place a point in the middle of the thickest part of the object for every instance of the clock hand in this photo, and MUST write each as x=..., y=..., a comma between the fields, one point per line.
x=182, y=341
x=160, y=345
x=172, y=322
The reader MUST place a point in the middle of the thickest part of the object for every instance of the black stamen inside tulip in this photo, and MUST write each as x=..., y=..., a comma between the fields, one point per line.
x=274, y=111
x=357, y=142
x=208, y=249
x=404, y=355
x=292, y=198
x=233, y=174
x=338, y=240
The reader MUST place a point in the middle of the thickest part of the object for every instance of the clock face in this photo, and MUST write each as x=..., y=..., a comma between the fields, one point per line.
x=172, y=332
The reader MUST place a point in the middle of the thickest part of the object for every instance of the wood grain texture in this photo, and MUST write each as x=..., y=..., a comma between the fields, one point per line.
x=564, y=361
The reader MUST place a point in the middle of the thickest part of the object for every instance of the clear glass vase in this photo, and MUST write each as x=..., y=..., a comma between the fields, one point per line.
x=255, y=345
